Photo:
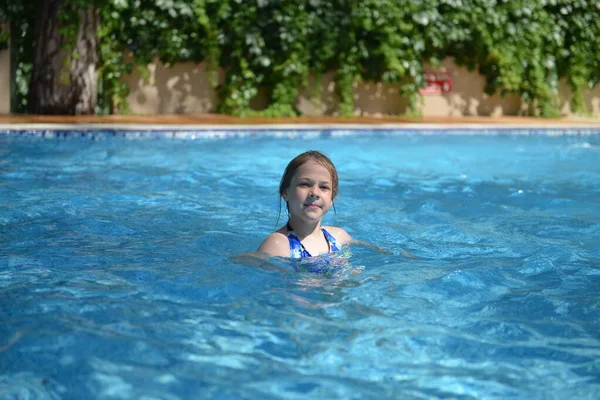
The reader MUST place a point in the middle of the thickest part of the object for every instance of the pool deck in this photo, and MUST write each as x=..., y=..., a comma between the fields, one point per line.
x=217, y=121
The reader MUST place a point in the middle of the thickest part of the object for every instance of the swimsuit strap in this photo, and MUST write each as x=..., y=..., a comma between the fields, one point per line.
x=333, y=244
x=297, y=249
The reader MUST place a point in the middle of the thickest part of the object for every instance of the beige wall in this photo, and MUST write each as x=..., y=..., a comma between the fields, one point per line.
x=185, y=88
x=179, y=89
x=4, y=81
x=467, y=96
x=370, y=98
x=591, y=98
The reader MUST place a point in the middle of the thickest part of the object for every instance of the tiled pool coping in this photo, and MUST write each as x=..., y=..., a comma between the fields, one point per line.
x=215, y=125
x=194, y=131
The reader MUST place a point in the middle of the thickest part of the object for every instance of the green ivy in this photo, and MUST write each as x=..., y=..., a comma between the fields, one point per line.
x=17, y=20
x=271, y=47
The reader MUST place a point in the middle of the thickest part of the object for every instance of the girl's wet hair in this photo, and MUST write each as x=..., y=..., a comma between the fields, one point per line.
x=290, y=170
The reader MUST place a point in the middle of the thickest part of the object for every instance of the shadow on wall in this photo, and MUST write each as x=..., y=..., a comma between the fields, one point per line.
x=5, y=81
x=591, y=98
x=471, y=99
x=186, y=89
x=319, y=97
x=370, y=98
x=467, y=97
x=378, y=98
x=178, y=89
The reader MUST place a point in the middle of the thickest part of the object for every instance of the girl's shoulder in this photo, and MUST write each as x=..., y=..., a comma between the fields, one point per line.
x=276, y=244
x=340, y=235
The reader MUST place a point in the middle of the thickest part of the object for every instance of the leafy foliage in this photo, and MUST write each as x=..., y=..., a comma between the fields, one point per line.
x=18, y=17
x=520, y=46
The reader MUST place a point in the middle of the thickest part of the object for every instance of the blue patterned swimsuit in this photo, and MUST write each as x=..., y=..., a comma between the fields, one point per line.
x=297, y=249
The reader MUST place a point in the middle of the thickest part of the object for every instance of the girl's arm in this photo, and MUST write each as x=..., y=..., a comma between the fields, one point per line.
x=276, y=244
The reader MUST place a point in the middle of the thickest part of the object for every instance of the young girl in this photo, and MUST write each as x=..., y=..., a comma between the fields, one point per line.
x=308, y=186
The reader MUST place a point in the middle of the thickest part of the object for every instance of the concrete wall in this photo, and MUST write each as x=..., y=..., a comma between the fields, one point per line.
x=4, y=81
x=179, y=89
x=467, y=96
x=591, y=98
x=185, y=88
x=370, y=98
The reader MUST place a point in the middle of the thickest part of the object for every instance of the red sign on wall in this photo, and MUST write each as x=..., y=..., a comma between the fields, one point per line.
x=439, y=82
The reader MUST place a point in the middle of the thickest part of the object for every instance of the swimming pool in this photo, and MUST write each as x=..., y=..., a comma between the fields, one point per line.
x=121, y=275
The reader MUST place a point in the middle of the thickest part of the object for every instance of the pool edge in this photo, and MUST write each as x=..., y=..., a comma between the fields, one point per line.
x=450, y=128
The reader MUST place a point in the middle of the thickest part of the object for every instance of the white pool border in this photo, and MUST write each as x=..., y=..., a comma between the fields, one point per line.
x=335, y=129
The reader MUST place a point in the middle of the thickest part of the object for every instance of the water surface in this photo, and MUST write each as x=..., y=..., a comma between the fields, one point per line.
x=121, y=275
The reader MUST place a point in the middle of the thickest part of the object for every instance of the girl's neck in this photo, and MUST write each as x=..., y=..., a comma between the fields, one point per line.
x=303, y=229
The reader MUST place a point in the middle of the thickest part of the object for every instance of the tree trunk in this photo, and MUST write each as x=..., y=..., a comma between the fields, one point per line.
x=64, y=77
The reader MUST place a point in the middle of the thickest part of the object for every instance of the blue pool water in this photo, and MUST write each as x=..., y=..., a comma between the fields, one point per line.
x=123, y=273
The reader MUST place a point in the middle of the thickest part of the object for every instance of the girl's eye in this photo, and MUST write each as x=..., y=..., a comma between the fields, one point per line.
x=324, y=187
x=304, y=184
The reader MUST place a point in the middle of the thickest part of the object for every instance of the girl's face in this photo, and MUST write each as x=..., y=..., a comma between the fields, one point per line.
x=310, y=191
